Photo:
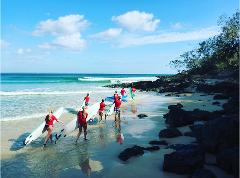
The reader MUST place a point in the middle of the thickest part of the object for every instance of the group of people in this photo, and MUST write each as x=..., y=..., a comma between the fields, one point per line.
x=82, y=115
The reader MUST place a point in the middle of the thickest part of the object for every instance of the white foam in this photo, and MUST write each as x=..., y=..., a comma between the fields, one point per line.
x=19, y=93
x=118, y=80
x=23, y=117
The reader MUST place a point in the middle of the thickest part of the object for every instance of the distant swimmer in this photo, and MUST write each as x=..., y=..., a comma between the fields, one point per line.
x=101, y=109
x=49, y=126
x=123, y=92
x=117, y=106
x=82, y=123
x=86, y=99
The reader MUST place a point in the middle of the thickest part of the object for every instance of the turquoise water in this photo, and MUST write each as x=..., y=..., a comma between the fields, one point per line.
x=25, y=96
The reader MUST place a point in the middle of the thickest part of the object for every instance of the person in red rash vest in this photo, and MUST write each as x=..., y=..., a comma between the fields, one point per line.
x=49, y=126
x=115, y=96
x=117, y=103
x=101, y=109
x=123, y=92
x=82, y=123
x=87, y=98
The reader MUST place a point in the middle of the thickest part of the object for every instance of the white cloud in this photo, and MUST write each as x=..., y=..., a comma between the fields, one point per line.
x=45, y=46
x=72, y=41
x=108, y=34
x=177, y=25
x=4, y=44
x=66, y=31
x=62, y=26
x=137, y=21
x=169, y=37
x=22, y=50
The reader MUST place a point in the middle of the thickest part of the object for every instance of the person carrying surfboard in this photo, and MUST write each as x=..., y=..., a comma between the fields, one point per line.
x=117, y=103
x=49, y=126
x=132, y=92
x=115, y=96
x=86, y=99
x=82, y=123
x=123, y=92
x=101, y=109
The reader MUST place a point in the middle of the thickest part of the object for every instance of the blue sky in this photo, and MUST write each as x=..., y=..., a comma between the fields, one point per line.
x=108, y=36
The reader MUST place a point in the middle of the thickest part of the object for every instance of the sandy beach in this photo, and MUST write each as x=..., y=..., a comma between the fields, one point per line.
x=98, y=156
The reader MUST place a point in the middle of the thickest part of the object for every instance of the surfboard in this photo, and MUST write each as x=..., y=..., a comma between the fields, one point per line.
x=73, y=125
x=41, y=128
x=111, y=98
x=109, y=110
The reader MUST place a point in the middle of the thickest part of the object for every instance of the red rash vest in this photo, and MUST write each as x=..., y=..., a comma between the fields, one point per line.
x=81, y=119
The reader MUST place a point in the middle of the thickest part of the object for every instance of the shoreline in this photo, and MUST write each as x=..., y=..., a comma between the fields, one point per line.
x=217, y=115
x=190, y=101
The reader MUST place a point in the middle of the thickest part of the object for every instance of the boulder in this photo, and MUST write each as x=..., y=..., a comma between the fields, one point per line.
x=178, y=117
x=189, y=134
x=227, y=88
x=203, y=173
x=218, y=134
x=151, y=148
x=156, y=142
x=232, y=106
x=185, y=160
x=169, y=133
x=220, y=97
x=135, y=151
x=228, y=161
x=215, y=103
x=140, y=116
x=130, y=152
x=175, y=106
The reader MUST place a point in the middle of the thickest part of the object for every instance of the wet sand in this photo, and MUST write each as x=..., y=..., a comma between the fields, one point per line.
x=98, y=156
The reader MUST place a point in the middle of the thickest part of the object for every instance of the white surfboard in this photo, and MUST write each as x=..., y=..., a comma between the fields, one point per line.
x=72, y=125
x=109, y=110
x=41, y=129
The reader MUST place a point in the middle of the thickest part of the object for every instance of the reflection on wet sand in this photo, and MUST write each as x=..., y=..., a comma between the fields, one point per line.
x=85, y=167
x=119, y=135
x=133, y=108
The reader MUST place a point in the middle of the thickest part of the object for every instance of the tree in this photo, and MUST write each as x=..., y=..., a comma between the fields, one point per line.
x=218, y=53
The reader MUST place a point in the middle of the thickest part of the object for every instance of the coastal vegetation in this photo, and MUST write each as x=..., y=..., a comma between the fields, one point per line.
x=215, y=54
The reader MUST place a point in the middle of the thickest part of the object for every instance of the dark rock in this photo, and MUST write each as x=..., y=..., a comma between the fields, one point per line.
x=169, y=133
x=196, y=129
x=200, y=115
x=215, y=103
x=189, y=134
x=131, y=152
x=218, y=134
x=228, y=161
x=156, y=142
x=203, y=173
x=185, y=160
x=141, y=116
x=227, y=88
x=178, y=117
x=220, y=97
x=178, y=147
x=175, y=106
x=152, y=148
x=232, y=106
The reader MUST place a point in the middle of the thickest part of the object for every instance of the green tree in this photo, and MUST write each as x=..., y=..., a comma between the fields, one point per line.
x=218, y=53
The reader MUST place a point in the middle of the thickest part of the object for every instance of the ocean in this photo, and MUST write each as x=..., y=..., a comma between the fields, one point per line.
x=28, y=96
